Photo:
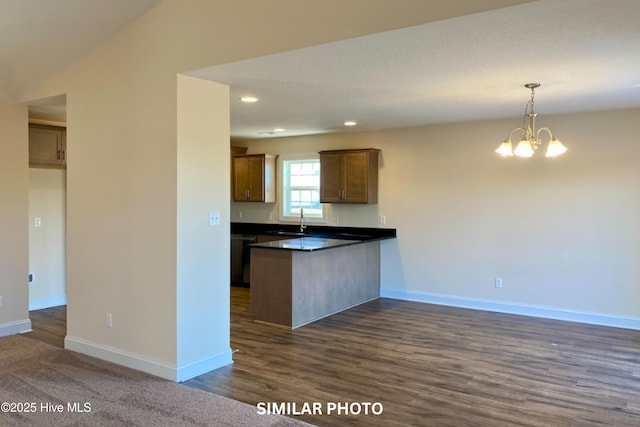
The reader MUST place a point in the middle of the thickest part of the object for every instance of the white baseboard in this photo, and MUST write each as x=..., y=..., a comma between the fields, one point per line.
x=141, y=363
x=54, y=301
x=521, y=309
x=12, y=328
x=192, y=370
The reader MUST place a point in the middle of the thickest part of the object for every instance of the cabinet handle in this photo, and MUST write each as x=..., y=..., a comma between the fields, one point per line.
x=64, y=154
x=58, y=156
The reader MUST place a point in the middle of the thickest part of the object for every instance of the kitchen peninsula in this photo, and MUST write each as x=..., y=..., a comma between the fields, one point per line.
x=298, y=278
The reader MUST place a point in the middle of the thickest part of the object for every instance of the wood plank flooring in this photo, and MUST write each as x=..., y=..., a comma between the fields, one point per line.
x=49, y=325
x=432, y=366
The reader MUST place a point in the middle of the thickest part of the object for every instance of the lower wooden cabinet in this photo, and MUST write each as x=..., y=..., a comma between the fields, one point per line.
x=47, y=146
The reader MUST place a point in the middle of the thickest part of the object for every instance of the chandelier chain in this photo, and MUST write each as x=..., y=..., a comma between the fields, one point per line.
x=529, y=109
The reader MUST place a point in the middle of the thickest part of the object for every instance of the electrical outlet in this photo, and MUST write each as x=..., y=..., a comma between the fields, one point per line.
x=383, y=219
x=336, y=218
x=270, y=215
x=240, y=214
x=37, y=222
x=0, y=302
x=108, y=320
x=499, y=282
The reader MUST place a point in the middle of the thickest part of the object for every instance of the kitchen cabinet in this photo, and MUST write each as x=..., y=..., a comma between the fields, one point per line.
x=254, y=178
x=349, y=176
x=240, y=258
x=47, y=146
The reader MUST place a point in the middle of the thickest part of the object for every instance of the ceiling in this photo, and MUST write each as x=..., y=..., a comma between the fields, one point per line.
x=585, y=53
x=39, y=38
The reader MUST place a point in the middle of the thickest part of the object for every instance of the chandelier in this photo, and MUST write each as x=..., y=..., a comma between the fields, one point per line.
x=530, y=137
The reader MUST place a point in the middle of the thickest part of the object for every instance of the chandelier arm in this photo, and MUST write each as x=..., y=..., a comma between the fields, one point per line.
x=523, y=130
x=544, y=129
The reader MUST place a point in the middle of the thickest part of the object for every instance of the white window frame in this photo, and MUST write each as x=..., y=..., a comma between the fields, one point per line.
x=285, y=214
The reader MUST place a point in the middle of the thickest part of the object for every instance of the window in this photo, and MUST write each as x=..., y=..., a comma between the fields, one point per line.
x=301, y=188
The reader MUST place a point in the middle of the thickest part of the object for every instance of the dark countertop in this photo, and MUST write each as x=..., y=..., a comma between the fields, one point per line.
x=314, y=237
x=293, y=230
x=306, y=244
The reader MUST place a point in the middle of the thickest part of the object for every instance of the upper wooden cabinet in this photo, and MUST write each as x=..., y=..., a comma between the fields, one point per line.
x=349, y=176
x=254, y=178
x=47, y=146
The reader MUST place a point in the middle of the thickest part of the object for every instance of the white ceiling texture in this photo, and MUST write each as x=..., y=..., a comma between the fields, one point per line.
x=39, y=38
x=585, y=53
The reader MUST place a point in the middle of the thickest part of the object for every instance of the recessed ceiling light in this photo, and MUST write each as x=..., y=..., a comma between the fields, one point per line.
x=350, y=123
x=279, y=130
x=249, y=99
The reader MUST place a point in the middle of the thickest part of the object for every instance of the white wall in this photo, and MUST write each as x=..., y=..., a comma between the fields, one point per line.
x=14, y=211
x=47, y=243
x=203, y=260
x=562, y=233
x=125, y=223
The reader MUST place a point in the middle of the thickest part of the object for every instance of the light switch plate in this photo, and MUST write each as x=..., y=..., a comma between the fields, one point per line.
x=214, y=218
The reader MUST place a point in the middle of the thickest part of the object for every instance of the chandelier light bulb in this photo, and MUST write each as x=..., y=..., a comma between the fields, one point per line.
x=505, y=149
x=524, y=149
x=555, y=148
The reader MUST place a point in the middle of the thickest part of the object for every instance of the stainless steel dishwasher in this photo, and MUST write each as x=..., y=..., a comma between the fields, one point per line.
x=241, y=258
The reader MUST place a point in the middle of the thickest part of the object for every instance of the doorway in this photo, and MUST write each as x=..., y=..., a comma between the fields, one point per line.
x=47, y=210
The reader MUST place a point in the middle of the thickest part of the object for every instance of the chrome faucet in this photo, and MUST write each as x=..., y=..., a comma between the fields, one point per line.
x=302, y=226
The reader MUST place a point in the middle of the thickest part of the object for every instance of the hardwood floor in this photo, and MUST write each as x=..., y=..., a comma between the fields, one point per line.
x=49, y=325
x=432, y=366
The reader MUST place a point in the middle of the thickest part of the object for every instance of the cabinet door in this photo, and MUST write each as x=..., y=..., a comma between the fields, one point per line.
x=240, y=178
x=256, y=179
x=356, y=174
x=331, y=167
x=46, y=146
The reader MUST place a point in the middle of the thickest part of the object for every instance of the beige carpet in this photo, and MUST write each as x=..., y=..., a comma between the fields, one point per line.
x=37, y=379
